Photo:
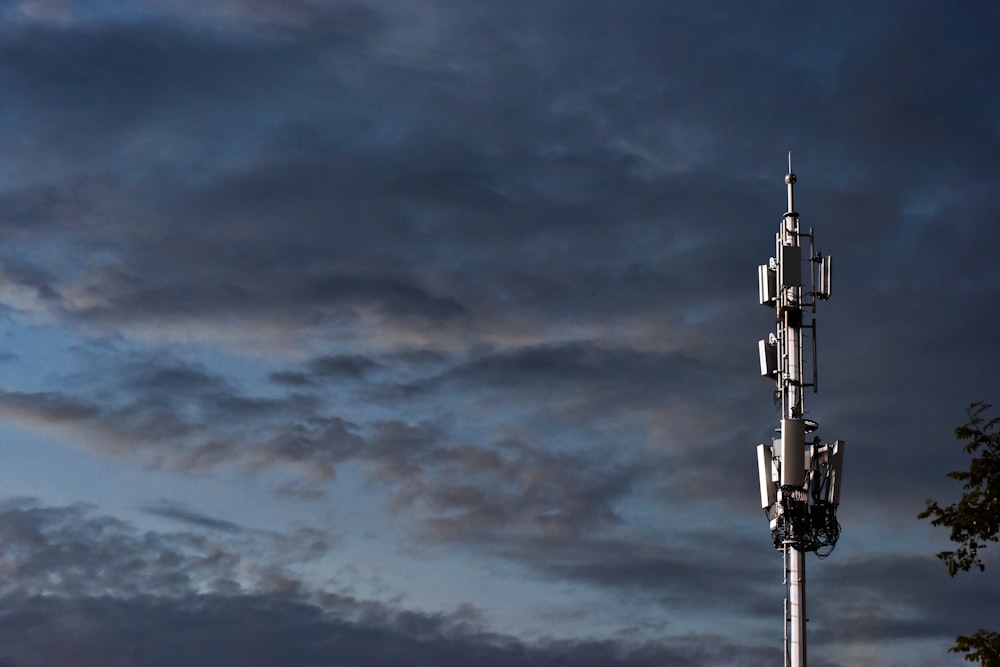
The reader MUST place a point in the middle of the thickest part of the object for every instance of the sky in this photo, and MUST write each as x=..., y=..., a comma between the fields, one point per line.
x=425, y=333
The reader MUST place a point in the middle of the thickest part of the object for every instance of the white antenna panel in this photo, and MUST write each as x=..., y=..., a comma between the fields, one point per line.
x=768, y=359
x=765, y=468
x=836, y=468
x=825, y=270
x=767, y=282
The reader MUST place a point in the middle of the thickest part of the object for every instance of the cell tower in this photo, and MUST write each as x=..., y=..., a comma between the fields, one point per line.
x=799, y=477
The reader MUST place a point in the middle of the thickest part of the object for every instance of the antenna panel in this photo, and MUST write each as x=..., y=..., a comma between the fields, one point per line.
x=791, y=266
x=767, y=282
x=768, y=359
x=793, y=452
x=825, y=270
x=836, y=468
x=765, y=470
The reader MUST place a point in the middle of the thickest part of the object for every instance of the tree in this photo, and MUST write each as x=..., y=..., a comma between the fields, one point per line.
x=975, y=519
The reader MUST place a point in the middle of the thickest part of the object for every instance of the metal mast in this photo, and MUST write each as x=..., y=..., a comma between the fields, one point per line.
x=799, y=479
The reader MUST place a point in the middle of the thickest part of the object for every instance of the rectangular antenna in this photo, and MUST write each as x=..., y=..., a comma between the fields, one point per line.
x=791, y=266
x=767, y=285
x=765, y=469
x=825, y=270
x=836, y=470
x=793, y=452
x=815, y=360
x=768, y=359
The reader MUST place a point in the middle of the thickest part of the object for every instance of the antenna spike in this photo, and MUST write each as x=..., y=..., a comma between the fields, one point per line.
x=790, y=181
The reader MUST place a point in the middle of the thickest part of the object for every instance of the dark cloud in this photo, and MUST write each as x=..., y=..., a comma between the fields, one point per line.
x=110, y=593
x=172, y=510
x=104, y=588
x=68, y=552
x=180, y=416
x=585, y=381
x=515, y=488
x=500, y=260
x=329, y=368
x=261, y=631
x=323, y=223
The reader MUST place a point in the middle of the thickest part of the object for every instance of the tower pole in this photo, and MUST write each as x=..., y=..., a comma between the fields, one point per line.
x=796, y=648
x=793, y=409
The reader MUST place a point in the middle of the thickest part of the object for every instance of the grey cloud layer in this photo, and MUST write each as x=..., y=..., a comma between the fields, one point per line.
x=183, y=417
x=503, y=259
x=366, y=197
x=110, y=593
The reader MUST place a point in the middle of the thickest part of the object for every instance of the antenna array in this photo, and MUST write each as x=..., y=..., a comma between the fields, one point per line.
x=799, y=478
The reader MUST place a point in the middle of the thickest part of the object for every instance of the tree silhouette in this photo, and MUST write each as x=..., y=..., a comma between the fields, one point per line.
x=975, y=519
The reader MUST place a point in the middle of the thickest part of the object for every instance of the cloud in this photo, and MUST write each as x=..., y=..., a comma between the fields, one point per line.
x=110, y=592
x=497, y=262
x=179, y=416
x=67, y=552
x=515, y=488
x=312, y=224
x=255, y=631
x=178, y=512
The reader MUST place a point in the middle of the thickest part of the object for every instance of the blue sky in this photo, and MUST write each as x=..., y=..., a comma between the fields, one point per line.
x=425, y=333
